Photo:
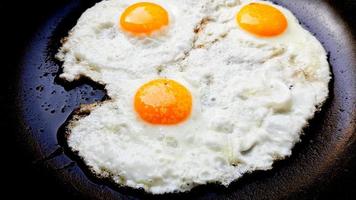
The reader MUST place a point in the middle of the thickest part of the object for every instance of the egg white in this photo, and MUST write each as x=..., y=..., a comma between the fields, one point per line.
x=251, y=95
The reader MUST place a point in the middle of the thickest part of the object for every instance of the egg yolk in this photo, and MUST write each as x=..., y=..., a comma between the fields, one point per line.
x=262, y=20
x=144, y=18
x=163, y=102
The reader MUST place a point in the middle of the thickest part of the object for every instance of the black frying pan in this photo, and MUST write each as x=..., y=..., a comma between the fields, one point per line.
x=40, y=103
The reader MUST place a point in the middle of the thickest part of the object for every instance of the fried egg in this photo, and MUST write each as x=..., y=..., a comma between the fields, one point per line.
x=200, y=92
x=122, y=36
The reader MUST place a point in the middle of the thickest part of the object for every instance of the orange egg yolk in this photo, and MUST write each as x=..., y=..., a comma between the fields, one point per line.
x=163, y=102
x=262, y=20
x=144, y=18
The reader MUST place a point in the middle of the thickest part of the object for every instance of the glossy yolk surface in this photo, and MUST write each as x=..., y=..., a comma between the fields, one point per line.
x=144, y=18
x=163, y=102
x=262, y=20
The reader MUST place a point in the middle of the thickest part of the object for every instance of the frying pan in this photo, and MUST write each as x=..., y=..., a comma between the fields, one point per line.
x=39, y=104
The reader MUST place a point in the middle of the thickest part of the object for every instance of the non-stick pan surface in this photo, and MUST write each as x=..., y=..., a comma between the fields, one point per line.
x=43, y=103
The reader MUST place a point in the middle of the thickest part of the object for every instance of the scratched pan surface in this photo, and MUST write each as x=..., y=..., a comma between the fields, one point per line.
x=44, y=103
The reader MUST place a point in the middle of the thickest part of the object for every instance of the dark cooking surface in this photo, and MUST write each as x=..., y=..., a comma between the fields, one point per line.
x=45, y=104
